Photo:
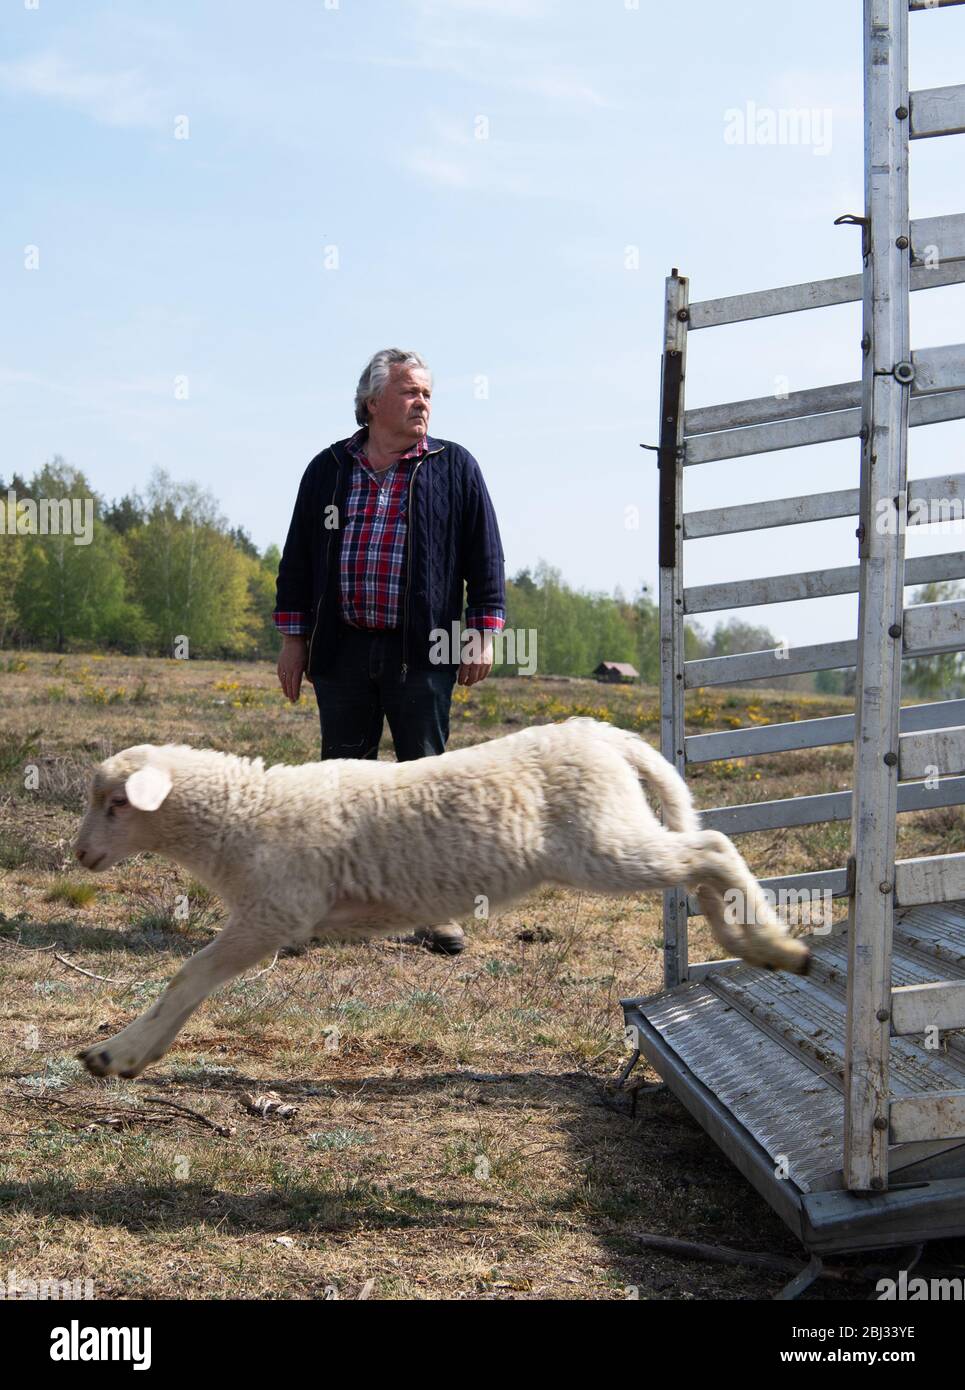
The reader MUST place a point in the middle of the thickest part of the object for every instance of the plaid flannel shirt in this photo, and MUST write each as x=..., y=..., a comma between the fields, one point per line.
x=371, y=566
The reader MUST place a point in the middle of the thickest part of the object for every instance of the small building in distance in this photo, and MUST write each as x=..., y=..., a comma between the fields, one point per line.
x=617, y=672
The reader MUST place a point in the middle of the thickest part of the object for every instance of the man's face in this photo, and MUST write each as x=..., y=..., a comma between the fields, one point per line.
x=403, y=408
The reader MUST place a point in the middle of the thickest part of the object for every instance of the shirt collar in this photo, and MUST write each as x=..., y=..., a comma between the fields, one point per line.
x=357, y=445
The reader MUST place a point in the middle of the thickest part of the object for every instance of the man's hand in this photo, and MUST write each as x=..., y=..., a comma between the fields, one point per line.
x=472, y=671
x=291, y=666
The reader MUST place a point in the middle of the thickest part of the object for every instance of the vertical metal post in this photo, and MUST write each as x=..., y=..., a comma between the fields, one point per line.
x=673, y=372
x=881, y=554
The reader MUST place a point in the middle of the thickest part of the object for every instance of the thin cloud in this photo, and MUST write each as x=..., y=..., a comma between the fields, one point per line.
x=121, y=98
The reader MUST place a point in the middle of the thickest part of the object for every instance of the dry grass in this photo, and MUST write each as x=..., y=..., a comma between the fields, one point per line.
x=454, y=1134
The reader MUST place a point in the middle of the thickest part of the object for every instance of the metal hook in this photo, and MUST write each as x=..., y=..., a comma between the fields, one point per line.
x=851, y=219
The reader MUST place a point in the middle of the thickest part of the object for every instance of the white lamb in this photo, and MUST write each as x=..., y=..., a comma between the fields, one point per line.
x=353, y=849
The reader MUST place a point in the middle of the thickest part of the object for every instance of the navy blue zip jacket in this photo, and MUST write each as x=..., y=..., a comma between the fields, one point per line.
x=452, y=538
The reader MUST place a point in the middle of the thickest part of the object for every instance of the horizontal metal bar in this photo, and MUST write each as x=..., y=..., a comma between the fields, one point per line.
x=937, y=273
x=811, y=733
x=931, y=410
x=932, y=1115
x=939, y=368
x=938, y=878
x=930, y=629
x=943, y=233
x=917, y=1007
x=768, y=665
x=782, y=511
x=812, y=429
x=788, y=299
x=765, y=409
x=939, y=749
x=766, y=439
x=829, y=806
x=937, y=240
x=937, y=111
x=838, y=1221
x=788, y=889
x=699, y=970
x=933, y=4
x=787, y=588
x=822, y=506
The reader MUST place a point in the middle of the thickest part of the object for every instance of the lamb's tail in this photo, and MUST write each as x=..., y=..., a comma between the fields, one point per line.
x=679, y=813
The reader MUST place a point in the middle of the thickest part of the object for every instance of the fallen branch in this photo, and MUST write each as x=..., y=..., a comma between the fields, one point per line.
x=90, y=974
x=247, y=979
x=224, y=1130
x=726, y=1254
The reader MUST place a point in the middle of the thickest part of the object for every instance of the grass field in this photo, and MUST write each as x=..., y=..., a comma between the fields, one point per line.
x=451, y=1131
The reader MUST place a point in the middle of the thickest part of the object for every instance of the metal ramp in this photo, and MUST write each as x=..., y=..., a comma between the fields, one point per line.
x=759, y=1058
x=841, y=1096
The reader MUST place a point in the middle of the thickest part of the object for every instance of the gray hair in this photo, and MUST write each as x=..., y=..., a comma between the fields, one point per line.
x=375, y=377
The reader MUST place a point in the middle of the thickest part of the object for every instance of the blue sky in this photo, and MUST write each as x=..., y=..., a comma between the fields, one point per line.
x=354, y=126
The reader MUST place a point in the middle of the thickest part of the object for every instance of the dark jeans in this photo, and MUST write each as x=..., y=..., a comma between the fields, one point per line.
x=365, y=687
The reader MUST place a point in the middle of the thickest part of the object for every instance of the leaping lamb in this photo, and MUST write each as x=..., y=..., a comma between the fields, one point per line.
x=353, y=849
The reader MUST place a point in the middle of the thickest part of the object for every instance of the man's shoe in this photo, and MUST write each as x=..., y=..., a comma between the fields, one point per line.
x=444, y=941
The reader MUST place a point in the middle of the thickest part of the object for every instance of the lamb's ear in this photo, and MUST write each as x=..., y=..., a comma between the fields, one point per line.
x=147, y=788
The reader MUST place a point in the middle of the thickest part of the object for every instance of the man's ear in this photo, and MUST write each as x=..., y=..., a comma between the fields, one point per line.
x=147, y=788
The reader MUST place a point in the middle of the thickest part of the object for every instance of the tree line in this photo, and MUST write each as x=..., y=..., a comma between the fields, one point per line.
x=168, y=565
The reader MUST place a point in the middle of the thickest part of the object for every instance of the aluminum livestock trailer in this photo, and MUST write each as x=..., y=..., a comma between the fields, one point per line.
x=841, y=1095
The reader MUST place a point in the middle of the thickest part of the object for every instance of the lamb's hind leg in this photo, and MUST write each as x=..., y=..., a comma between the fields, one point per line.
x=731, y=899
x=706, y=860
x=240, y=944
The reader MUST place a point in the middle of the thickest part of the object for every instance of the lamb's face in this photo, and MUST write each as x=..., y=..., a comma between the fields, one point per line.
x=125, y=792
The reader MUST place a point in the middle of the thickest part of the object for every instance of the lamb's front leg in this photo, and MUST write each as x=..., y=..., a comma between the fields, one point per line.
x=239, y=945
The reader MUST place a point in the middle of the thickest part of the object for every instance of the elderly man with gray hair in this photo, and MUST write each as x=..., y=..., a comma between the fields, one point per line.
x=390, y=526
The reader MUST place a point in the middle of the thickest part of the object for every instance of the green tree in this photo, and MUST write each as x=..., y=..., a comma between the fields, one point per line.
x=67, y=592
x=189, y=577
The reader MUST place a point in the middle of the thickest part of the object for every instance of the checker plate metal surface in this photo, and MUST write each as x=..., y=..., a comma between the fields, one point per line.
x=771, y=1046
x=793, y=1114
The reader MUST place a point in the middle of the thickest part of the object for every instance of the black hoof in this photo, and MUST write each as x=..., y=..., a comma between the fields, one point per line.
x=446, y=945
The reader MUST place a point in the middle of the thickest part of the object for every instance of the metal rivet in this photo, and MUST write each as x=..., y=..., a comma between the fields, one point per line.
x=894, y=630
x=904, y=372
x=882, y=1015
x=885, y=887
x=902, y=113
x=902, y=243
x=891, y=759
x=683, y=315
x=881, y=1122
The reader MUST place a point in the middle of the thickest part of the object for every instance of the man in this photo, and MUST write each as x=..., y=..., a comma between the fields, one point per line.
x=388, y=527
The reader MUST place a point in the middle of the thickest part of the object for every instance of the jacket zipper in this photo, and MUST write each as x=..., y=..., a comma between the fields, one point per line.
x=318, y=606
x=408, y=577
